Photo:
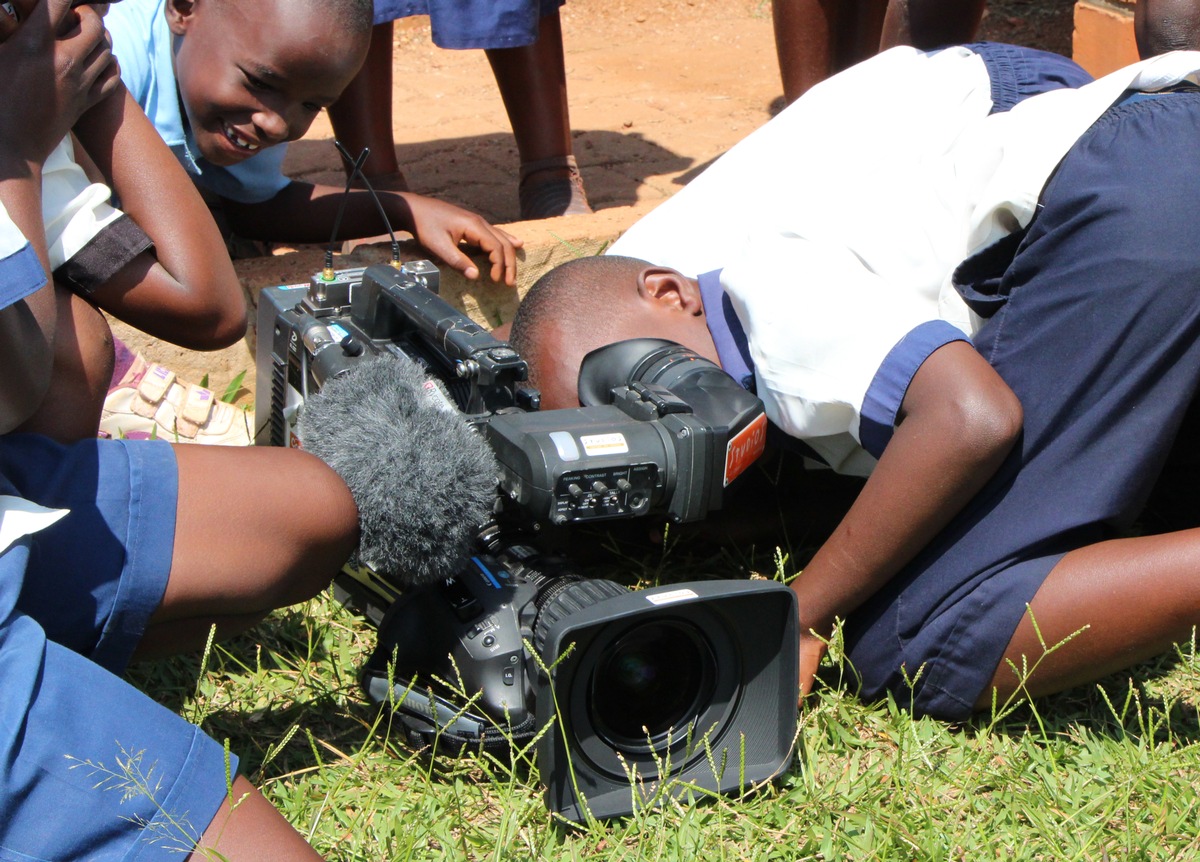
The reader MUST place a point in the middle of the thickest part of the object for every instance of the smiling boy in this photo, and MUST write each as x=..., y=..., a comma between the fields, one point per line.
x=228, y=82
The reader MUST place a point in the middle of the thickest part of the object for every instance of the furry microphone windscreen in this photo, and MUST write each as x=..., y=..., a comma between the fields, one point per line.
x=423, y=480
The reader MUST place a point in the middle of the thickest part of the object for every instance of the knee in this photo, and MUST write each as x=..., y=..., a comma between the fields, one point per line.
x=83, y=347
x=1161, y=26
x=81, y=372
x=325, y=533
x=334, y=506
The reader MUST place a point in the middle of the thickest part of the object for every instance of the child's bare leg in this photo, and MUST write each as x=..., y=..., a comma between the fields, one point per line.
x=256, y=529
x=533, y=86
x=254, y=831
x=816, y=38
x=83, y=366
x=1136, y=596
x=804, y=34
x=929, y=24
x=362, y=116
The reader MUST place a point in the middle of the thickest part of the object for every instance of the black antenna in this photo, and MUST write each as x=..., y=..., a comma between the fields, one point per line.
x=356, y=171
x=327, y=273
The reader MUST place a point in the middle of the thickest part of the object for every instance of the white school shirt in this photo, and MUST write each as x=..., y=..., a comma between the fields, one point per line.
x=74, y=209
x=838, y=225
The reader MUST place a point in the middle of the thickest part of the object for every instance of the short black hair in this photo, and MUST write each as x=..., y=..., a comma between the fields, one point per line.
x=356, y=15
x=574, y=297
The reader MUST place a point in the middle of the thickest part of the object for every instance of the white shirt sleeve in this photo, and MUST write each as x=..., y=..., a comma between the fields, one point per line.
x=834, y=345
x=20, y=518
x=74, y=209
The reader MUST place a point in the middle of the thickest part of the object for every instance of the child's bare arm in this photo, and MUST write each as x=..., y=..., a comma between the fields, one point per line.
x=303, y=212
x=186, y=290
x=957, y=423
x=27, y=328
x=59, y=67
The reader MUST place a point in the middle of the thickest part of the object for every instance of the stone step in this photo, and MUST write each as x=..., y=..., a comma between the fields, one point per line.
x=1103, y=40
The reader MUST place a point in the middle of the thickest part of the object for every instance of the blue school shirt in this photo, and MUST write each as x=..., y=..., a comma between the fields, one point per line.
x=21, y=272
x=144, y=46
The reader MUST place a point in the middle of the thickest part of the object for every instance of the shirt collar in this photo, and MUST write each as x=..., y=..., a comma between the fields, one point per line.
x=181, y=133
x=733, y=348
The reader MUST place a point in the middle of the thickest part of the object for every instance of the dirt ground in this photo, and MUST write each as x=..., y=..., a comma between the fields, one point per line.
x=657, y=89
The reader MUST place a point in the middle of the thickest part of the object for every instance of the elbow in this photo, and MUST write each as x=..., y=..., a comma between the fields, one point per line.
x=214, y=327
x=991, y=423
x=230, y=328
x=219, y=312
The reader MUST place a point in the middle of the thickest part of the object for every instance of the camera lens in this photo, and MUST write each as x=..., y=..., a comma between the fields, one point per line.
x=653, y=679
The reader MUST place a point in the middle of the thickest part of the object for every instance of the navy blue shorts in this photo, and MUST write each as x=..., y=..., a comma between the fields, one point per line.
x=1017, y=72
x=473, y=23
x=1093, y=319
x=75, y=599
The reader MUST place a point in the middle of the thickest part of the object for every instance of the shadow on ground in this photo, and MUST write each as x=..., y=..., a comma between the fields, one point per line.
x=480, y=172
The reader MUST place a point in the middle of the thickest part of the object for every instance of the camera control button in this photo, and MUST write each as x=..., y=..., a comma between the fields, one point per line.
x=489, y=641
x=510, y=676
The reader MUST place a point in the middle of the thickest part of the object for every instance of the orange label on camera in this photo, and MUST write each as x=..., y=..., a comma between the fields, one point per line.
x=745, y=447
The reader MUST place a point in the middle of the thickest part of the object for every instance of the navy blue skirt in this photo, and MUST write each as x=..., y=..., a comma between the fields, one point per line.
x=1093, y=320
x=473, y=23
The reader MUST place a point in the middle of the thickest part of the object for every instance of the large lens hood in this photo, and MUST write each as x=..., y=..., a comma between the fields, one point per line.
x=727, y=724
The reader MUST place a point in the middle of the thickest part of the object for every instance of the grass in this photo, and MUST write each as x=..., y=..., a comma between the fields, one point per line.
x=1104, y=772
x=1107, y=771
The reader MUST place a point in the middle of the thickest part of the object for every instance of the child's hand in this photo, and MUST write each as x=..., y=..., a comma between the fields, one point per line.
x=812, y=650
x=440, y=227
x=58, y=62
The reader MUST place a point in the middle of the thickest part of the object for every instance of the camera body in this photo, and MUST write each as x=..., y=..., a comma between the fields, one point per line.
x=665, y=430
x=517, y=639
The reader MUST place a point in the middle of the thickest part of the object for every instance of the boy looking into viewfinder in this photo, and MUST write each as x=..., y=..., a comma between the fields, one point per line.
x=975, y=288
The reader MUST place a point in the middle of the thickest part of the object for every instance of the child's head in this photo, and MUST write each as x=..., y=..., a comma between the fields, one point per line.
x=254, y=73
x=588, y=303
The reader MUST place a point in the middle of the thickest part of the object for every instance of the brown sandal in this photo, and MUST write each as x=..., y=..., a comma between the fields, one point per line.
x=560, y=193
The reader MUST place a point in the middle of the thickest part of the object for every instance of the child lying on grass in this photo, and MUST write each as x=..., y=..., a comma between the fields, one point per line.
x=978, y=294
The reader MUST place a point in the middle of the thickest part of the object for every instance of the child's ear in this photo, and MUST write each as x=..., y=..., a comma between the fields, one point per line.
x=180, y=14
x=670, y=288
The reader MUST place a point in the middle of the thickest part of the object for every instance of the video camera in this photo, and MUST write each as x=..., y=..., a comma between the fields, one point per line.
x=690, y=685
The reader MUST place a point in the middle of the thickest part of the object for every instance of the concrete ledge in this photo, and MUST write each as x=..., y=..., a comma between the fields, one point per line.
x=1104, y=39
x=547, y=243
